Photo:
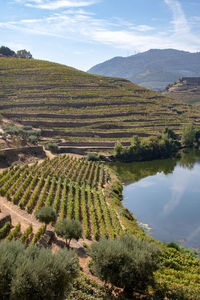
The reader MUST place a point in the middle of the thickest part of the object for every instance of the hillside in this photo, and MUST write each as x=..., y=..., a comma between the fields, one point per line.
x=153, y=69
x=186, y=89
x=77, y=109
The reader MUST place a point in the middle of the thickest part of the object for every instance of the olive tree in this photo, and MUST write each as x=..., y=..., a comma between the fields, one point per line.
x=126, y=262
x=46, y=215
x=32, y=273
x=24, y=54
x=68, y=230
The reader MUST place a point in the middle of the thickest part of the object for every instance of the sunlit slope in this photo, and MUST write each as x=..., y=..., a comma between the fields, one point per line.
x=81, y=107
x=186, y=89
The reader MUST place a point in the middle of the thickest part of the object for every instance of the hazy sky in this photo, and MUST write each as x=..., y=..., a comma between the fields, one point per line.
x=82, y=33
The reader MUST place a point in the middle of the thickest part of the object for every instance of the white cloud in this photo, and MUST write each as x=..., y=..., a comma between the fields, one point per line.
x=77, y=24
x=143, y=28
x=179, y=21
x=53, y=5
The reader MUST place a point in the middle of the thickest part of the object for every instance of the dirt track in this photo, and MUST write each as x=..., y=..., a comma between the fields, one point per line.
x=19, y=215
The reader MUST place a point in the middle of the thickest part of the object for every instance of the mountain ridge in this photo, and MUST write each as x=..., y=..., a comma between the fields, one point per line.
x=153, y=69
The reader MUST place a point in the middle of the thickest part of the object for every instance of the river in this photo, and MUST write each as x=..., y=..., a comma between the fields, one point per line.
x=164, y=195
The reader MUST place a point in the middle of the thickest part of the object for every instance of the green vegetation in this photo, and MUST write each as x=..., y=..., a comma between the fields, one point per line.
x=88, y=192
x=5, y=229
x=46, y=215
x=161, y=146
x=52, y=147
x=73, y=187
x=38, y=235
x=33, y=273
x=26, y=234
x=68, y=230
x=5, y=51
x=86, y=111
x=126, y=262
x=20, y=135
x=178, y=277
x=27, y=237
x=188, y=135
x=14, y=233
x=92, y=112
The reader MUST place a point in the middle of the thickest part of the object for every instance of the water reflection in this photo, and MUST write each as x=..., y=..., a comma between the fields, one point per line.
x=165, y=195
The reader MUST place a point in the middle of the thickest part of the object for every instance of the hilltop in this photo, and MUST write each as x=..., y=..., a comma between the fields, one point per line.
x=81, y=111
x=153, y=69
x=186, y=89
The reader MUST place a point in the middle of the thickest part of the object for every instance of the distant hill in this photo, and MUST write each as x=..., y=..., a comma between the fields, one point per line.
x=186, y=89
x=79, y=110
x=153, y=69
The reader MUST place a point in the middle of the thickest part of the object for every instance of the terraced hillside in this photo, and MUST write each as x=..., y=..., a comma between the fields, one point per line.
x=84, y=110
x=186, y=89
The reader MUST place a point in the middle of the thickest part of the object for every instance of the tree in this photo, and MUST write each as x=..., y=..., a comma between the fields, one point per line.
x=188, y=135
x=46, y=215
x=6, y=51
x=118, y=149
x=125, y=262
x=68, y=230
x=168, y=133
x=32, y=273
x=24, y=54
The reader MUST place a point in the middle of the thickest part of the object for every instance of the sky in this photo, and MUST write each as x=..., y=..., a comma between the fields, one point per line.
x=83, y=33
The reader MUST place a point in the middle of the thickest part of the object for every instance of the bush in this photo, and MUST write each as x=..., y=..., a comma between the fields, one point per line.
x=127, y=262
x=69, y=229
x=33, y=139
x=34, y=273
x=92, y=156
x=173, y=245
x=52, y=147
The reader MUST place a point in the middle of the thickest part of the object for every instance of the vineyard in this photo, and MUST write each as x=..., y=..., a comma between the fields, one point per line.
x=72, y=186
x=84, y=111
x=27, y=237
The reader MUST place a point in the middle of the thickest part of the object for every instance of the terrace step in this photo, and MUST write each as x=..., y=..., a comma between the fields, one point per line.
x=90, y=144
x=74, y=116
x=117, y=134
x=82, y=150
x=70, y=104
x=50, y=124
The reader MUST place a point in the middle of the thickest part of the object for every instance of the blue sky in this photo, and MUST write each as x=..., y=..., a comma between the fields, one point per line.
x=82, y=33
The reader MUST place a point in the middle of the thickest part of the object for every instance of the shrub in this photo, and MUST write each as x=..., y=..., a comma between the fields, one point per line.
x=127, y=262
x=173, y=245
x=34, y=273
x=33, y=139
x=52, y=147
x=92, y=157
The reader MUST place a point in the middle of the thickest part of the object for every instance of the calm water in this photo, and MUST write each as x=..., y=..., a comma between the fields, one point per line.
x=164, y=195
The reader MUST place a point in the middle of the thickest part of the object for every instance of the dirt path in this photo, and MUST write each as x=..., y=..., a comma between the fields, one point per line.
x=19, y=215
